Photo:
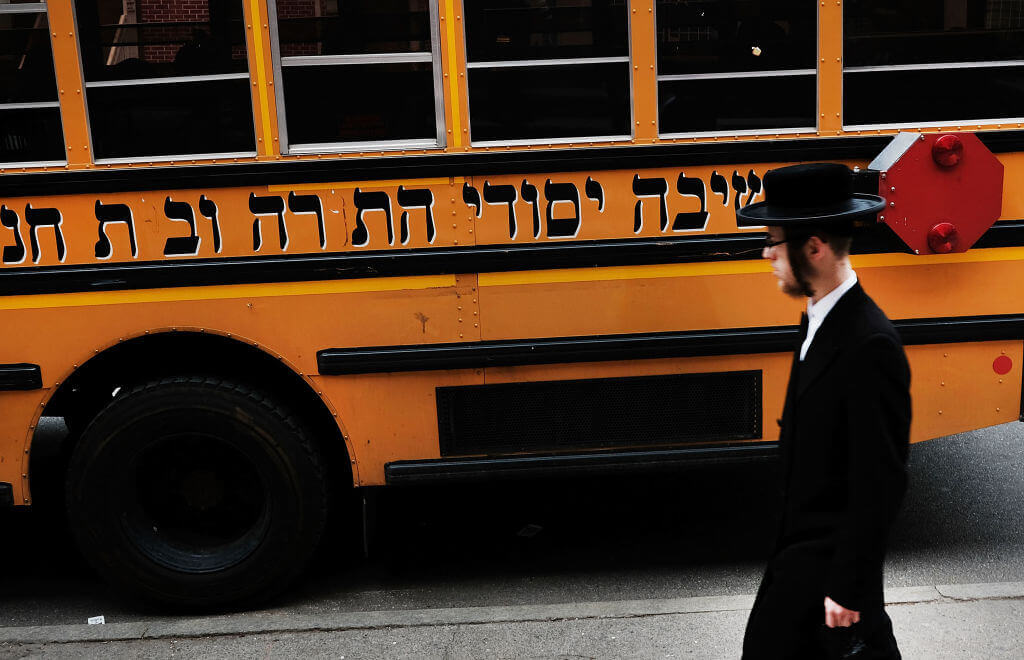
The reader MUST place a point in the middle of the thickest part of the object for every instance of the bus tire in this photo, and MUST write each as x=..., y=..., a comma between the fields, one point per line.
x=196, y=493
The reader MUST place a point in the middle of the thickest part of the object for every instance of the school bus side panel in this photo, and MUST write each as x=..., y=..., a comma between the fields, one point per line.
x=724, y=292
x=52, y=322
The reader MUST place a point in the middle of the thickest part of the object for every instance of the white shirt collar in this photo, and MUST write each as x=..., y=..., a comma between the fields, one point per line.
x=819, y=310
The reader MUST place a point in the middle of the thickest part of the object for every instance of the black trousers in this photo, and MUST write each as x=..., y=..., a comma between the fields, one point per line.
x=788, y=618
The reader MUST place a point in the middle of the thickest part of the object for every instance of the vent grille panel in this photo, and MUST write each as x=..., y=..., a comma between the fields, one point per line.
x=642, y=411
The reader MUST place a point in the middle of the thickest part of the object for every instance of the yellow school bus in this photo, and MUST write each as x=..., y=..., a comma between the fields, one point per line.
x=257, y=252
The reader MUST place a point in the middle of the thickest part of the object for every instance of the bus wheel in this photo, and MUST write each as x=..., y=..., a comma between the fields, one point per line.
x=196, y=492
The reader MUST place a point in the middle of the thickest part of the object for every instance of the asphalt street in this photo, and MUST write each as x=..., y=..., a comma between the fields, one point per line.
x=639, y=538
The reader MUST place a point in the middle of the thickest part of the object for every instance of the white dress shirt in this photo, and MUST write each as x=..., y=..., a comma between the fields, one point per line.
x=816, y=312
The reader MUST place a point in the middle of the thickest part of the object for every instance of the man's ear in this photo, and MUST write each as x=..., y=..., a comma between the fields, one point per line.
x=814, y=248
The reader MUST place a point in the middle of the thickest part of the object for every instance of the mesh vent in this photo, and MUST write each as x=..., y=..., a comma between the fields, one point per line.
x=642, y=411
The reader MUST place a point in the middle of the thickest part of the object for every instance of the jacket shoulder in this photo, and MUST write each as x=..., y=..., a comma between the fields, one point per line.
x=869, y=323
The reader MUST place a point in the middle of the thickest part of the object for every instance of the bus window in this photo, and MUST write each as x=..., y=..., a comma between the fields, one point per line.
x=548, y=70
x=932, y=61
x=731, y=66
x=357, y=75
x=30, y=128
x=166, y=79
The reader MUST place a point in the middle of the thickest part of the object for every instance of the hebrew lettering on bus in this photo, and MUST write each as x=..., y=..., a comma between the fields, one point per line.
x=12, y=254
x=267, y=206
x=691, y=220
x=754, y=184
x=562, y=192
x=504, y=194
x=739, y=184
x=554, y=207
x=530, y=194
x=471, y=196
x=49, y=218
x=107, y=214
x=208, y=209
x=595, y=192
x=371, y=201
x=720, y=186
x=177, y=246
x=649, y=188
x=416, y=199
x=311, y=205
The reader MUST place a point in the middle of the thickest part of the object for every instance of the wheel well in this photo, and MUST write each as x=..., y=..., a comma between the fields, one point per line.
x=155, y=356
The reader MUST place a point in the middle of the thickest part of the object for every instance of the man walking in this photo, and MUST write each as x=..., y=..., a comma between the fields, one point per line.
x=845, y=431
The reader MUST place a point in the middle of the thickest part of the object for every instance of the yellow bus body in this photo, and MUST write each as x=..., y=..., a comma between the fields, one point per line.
x=388, y=417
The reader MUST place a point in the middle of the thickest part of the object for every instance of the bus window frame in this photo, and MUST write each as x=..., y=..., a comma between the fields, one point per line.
x=37, y=8
x=435, y=58
x=128, y=160
x=508, y=64
x=816, y=72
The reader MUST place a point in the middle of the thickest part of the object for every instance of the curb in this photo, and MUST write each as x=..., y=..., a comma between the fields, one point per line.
x=273, y=622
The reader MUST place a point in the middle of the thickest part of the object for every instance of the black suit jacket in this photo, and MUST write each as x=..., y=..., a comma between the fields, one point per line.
x=844, y=440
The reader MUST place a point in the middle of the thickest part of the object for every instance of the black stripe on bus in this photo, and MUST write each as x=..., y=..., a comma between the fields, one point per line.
x=25, y=280
x=606, y=348
x=470, y=469
x=485, y=163
x=379, y=263
x=22, y=376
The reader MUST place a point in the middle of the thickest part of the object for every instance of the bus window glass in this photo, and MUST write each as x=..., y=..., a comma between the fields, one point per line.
x=793, y=100
x=337, y=27
x=392, y=112
x=717, y=36
x=166, y=78
x=509, y=30
x=726, y=66
x=357, y=74
x=914, y=96
x=563, y=101
x=932, y=61
x=884, y=32
x=205, y=116
x=30, y=126
x=548, y=69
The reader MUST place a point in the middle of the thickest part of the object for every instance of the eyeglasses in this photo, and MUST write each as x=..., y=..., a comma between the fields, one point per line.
x=769, y=243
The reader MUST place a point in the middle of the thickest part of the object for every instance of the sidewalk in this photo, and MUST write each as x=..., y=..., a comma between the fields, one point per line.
x=951, y=621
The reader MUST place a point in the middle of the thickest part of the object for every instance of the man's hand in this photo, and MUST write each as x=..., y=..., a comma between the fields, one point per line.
x=837, y=616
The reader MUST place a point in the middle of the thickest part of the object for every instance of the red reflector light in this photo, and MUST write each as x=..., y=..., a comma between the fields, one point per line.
x=943, y=237
x=947, y=150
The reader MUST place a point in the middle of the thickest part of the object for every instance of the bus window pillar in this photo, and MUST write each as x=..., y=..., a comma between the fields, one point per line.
x=830, y=68
x=261, y=74
x=642, y=54
x=67, y=66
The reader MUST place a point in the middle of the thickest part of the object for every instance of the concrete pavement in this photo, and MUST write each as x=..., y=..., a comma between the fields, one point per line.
x=945, y=621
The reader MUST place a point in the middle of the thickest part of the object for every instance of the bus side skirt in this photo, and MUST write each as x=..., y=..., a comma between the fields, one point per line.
x=469, y=469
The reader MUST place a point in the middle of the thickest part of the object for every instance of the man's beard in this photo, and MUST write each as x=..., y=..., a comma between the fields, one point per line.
x=793, y=289
x=800, y=268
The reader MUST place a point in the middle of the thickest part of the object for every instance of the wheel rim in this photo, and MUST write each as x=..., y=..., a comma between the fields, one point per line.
x=194, y=503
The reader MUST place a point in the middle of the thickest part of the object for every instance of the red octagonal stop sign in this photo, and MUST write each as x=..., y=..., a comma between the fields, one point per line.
x=942, y=190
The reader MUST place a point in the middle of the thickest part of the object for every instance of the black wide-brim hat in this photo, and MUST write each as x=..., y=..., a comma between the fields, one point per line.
x=810, y=195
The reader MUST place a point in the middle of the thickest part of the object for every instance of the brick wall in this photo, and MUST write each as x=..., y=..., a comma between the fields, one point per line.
x=287, y=9
x=178, y=11
x=298, y=8
x=169, y=11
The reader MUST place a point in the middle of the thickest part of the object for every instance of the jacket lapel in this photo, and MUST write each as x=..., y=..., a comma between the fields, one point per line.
x=825, y=346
